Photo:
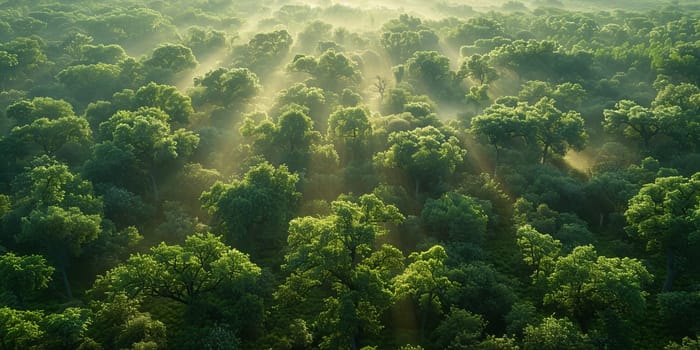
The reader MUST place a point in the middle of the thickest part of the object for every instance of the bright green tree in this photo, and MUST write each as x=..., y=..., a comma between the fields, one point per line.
x=664, y=215
x=254, y=212
x=338, y=279
x=182, y=273
x=584, y=284
x=425, y=282
x=426, y=154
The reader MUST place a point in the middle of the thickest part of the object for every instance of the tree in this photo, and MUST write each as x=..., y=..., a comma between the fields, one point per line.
x=456, y=218
x=226, y=87
x=312, y=34
x=500, y=123
x=539, y=251
x=678, y=61
x=20, y=329
x=312, y=98
x=478, y=67
x=585, y=284
x=460, y=330
x=405, y=35
x=264, y=51
x=425, y=282
x=25, y=112
x=57, y=212
x=166, y=98
x=664, y=215
x=556, y=131
x=289, y=141
x=635, y=121
x=60, y=233
x=430, y=72
x=66, y=329
x=22, y=56
x=332, y=71
x=426, y=154
x=168, y=61
x=553, y=334
x=182, y=273
x=145, y=136
x=172, y=57
x=349, y=128
x=23, y=275
x=91, y=82
x=109, y=54
x=52, y=135
x=254, y=212
x=542, y=60
x=466, y=33
x=336, y=275
x=686, y=344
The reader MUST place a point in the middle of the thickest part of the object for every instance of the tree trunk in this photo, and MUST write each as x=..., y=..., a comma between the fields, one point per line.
x=424, y=320
x=670, y=271
x=498, y=157
x=353, y=342
x=66, y=284
x=544, y=154
x=417, y=187
x=154, y=186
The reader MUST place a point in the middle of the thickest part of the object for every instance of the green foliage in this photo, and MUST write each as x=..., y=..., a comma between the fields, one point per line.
x=331, y=71
x=407, y=35
x=459, y=330
x=556, y=131
x=554, y=333
x=478, y=67
x=186, y=273
x=357, y=99
x=539, y=251
x=583, y=284
x=254, y=212
x=226, y=87
x=52, y=135
x=25, y=112
x=336, y=275
x=288, y=142
x=67, y=329
x=456, y=218
x=426, y=154
x=166, y=98
x=22, y=275
x=662, y=215
x=425, y=281
x=20, y=329
x=430, y=72
x=686, y=344
x=350, y=130
x=264, y=51
x=92, y=82
x=172, y=58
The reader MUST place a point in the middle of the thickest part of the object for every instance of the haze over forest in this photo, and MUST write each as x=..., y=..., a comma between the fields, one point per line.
x=409, y=175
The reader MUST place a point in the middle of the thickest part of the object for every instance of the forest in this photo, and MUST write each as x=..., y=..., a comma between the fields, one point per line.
x=346, y=175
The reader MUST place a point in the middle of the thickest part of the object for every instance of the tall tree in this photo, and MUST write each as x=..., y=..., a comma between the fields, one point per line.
x=23, y=275
x=182, y=273
x=425, y=281
x=145, y=135
x=337, y=276
x=585, y=284
x=426, y=154
x=556, y=131
x=664, y=215
x=254, y=212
